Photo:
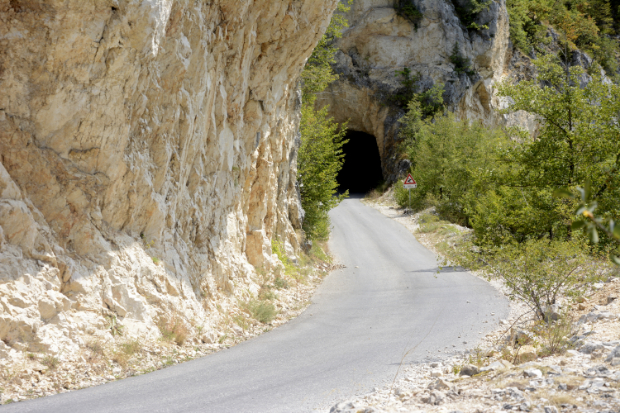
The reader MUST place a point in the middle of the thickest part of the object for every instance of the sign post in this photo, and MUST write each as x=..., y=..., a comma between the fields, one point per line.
x=410, y=184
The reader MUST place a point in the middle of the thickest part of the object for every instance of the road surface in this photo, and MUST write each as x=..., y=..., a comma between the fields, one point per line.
x=363, y=318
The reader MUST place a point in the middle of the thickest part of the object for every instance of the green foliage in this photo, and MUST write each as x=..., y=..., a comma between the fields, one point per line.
x=585, y=24
x=320, y=155
x=115, y=327
x=430, y=101
x=537, y=271
x=277, y=247
x=446, y=156
x=408, y=10
x=173, y=329
x=320, y=158
x=263, y=311
x=578, y=138
x=408, y=89
x=317, y=73
x=461, y=64
x=469, y=13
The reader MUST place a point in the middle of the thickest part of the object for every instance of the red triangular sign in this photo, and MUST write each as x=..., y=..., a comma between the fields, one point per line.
x=409, y=180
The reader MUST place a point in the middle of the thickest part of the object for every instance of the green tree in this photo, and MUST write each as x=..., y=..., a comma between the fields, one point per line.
x=320, y=156
x=447, y=156
x=585, y=24
x=578, y=136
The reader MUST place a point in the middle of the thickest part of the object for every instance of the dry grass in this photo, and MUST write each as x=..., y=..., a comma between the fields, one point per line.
x=556, y=399
x=173, y=330
x=50, y=362
x=131, y=347
x=96, y=347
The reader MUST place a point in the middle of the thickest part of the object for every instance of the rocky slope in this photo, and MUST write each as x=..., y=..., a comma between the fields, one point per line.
x=380, y=42
x=147, y=160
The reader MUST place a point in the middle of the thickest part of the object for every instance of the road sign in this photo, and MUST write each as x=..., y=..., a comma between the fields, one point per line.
x=410, y=183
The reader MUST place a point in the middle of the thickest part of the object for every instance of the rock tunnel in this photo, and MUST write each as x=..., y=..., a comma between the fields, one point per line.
x=361, y=171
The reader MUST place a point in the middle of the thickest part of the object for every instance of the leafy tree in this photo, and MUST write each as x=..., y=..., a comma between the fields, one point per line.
x=578, y=136
x=469, y=13
x=320, y=156
x=446, y=156
x=585, y=24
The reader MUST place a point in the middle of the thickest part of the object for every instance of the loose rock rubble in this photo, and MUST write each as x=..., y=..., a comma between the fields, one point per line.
x=108, y=356
x=585, y=378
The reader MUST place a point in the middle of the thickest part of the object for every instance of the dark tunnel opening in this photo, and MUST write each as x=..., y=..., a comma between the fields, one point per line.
x=361, y=171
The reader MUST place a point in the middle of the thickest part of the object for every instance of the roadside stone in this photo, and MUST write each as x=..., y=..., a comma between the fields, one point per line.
x=469, y=370
x=615, y=353
x=591, y=346
x=551, y=409
x=526, y=353
x=536, y=373
x=440, y=384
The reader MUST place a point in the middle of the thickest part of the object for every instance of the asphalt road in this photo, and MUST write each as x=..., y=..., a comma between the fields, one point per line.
x=364, y=317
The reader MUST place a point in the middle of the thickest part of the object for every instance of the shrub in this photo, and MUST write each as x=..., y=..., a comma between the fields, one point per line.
x=96, y=347
x=536, y=271
x=320, y=155
x=470, y=12
x=280, y=283
x=115, y=327
x=461, y=64
x=131, y=347
x=447, y=157
x=554, y=335
x=408, y=10
x=50, y=362
x=277, y=247
x=173, y=330
x=263, y=311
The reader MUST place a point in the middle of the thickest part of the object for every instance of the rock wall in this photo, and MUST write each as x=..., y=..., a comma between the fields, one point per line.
x=147, y=158
x=379, y=42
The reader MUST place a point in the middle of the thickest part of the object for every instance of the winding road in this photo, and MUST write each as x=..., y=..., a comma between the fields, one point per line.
x=364, y=317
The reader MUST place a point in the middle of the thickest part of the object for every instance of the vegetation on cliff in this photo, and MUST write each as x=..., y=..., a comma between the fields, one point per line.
x=590, y=25
x=320, y=155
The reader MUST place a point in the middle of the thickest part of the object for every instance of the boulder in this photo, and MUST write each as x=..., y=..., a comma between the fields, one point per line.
x=469, y=370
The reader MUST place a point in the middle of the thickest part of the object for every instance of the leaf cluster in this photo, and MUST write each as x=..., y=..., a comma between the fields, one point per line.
x=469, y=13
x=408, y=10
x=461, y=63
x=320, y=155
x=590, y=25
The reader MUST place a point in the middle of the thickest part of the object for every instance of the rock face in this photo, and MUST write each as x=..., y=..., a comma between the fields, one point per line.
x=147, y=159
x=379, y=42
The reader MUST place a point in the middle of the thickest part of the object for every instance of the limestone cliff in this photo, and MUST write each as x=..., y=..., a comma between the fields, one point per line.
x=379, y=42
x=147, y=158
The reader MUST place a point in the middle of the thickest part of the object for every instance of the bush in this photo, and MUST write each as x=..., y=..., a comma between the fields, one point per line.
x=320, y=158
x=461, y=64
x=447, y=156
x=173, y=330
x=585, y=25
x=536, y=271
x=50, y=362
x=263, y=311
x=470, y=12
x=408, y=10
x=131, y=347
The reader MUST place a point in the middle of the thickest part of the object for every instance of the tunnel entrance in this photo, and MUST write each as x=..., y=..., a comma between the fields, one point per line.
x=361, y=171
